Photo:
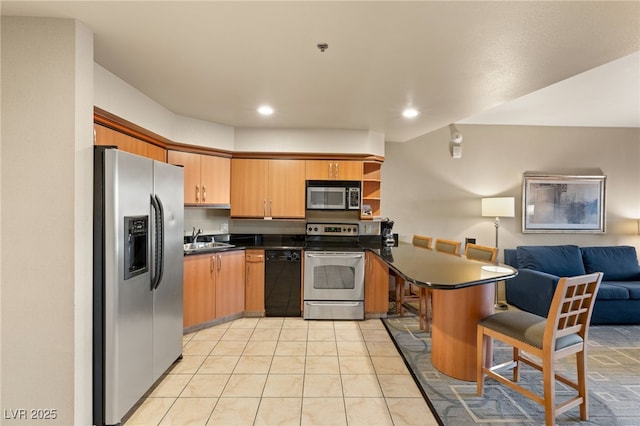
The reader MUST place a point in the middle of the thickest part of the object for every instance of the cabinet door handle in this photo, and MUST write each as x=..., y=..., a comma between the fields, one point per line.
x=213, y=263
x=270, y=207
x=330, y=170
x=197, y=194
x=337, y=170
x=219, y=262
x=204, y=193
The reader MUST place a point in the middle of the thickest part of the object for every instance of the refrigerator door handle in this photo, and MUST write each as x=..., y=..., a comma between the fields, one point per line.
x=160, y=242
x=158, y=267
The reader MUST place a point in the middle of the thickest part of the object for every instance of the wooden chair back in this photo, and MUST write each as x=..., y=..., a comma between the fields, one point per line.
x=482, y=253
x=571, y=308
x=448, y=246
x=422, y=241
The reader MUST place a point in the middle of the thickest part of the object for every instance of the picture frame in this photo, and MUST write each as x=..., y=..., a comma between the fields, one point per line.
x=563, y=203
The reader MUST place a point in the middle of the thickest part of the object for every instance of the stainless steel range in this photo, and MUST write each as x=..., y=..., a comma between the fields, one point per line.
x=333, y=272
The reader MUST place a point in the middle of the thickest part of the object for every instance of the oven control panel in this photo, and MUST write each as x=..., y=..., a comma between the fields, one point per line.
x=339, y=229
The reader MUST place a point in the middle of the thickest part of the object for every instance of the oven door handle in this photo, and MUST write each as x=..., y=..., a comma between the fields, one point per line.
x=333, y=253
x=333, y=303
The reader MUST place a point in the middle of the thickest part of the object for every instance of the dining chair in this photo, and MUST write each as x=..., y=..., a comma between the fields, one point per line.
x=482, y=253
x=421, y=241
x=564, y=332
x=448, y=246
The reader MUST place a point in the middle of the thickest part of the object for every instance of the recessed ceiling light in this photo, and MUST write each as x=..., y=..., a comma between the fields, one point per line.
x=265, y=110
x=410, y=113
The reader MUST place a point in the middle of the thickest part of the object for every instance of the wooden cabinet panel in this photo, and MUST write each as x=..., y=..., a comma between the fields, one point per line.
x=254, y=282
x=215, y=177
x=214, y=286
x=333, y=170
x=206, y=177
x=318, y=169
x=191, y=164
x=249, y=187
x=349, y=170
x=230, y=280
x=376, y=287
x=199, y=290
x=286, y=188
x=108, y=137
x=157, y=153
x=267, y=188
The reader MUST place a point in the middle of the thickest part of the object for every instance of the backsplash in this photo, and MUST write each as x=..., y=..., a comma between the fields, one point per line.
x=218, y=221
x=211, y=221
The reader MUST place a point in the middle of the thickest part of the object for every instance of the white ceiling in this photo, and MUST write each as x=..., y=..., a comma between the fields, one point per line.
x=453, y=61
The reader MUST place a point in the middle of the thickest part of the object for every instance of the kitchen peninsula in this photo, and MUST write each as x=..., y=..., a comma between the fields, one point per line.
x=463, y=293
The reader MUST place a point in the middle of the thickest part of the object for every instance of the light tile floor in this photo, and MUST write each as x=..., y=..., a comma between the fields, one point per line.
x=287, y=371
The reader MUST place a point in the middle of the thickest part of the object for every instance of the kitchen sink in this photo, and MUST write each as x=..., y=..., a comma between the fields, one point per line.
x=205, y=246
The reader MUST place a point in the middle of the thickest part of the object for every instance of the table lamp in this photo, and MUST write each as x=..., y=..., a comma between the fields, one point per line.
x=498, y=207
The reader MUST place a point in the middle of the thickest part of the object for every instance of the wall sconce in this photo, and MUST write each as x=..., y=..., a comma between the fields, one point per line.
x=455, y=145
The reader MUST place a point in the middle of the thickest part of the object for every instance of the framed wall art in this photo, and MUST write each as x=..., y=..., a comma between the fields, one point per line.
x=572, y=202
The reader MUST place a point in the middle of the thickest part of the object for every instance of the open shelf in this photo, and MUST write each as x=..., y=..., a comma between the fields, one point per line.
x=371, y=188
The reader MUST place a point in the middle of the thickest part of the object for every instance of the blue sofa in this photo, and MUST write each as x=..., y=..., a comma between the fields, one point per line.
x=540, y=268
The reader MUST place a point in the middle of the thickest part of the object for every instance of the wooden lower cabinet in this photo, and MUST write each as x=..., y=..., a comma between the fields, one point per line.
x=230, y=283
x=213, y=286
x=254, y=283
x=199, y=290
x=376, y=286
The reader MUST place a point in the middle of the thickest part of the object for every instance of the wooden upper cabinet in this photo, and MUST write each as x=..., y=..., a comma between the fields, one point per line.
x=333, y=170
x=109, y=137
x=267, y=188
x=249, y=187
x=286, y=188
x=206, y=177
x=215, y=177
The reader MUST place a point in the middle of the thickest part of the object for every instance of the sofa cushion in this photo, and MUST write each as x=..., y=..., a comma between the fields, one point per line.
x=562, y=261
x=612, y=291
x=618, y=263
x=631, y=287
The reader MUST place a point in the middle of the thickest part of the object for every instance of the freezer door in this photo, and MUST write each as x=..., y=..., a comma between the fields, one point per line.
x=167, y=304
x=128, y=301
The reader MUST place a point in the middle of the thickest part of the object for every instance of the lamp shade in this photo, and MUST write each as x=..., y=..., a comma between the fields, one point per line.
x=498, y=207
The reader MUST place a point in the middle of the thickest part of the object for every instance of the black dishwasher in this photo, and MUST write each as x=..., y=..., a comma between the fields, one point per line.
x=282, y=280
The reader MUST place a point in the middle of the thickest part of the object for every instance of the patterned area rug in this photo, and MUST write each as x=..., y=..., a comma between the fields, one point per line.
x=614, y=381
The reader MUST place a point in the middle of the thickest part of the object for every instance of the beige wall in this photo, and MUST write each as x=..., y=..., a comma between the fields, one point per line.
x=47, y=106
x=426, y=191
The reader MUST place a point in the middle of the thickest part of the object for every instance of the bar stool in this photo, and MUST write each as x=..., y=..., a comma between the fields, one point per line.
x=415, y=293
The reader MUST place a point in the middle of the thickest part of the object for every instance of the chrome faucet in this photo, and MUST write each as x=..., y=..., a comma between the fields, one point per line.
x=195, y=235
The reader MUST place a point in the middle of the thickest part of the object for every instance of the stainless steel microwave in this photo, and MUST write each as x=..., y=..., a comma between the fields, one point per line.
x=333, y=195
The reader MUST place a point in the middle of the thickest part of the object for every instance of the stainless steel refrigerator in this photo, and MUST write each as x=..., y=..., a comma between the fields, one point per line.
x=137, y=278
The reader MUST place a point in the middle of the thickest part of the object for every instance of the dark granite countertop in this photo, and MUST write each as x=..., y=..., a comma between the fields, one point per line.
x=436, y=270
x=250, y=241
